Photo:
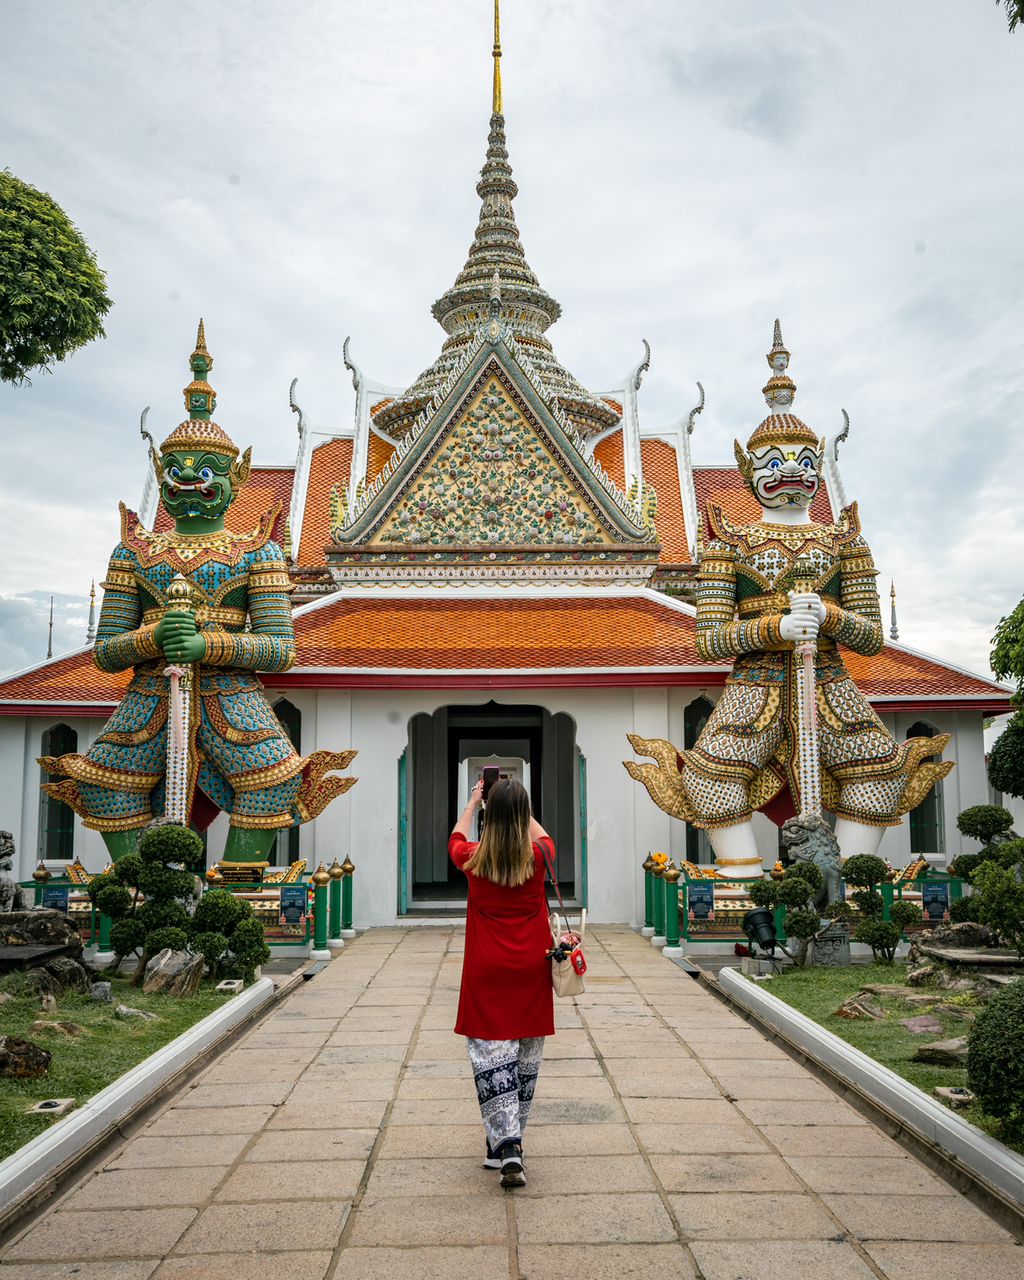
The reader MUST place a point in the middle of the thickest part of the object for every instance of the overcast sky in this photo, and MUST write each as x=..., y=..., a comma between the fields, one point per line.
x=298, y=172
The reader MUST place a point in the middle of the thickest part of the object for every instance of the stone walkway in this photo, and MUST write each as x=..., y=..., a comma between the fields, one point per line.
x=341, y=1139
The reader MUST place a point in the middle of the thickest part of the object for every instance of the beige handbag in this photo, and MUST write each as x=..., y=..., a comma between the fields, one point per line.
x=568, y=963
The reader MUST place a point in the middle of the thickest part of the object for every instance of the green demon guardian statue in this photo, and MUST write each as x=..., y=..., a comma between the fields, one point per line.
x=768, y=593
x=196, y=611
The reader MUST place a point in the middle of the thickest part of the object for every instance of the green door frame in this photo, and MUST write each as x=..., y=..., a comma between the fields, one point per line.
x=403, y=835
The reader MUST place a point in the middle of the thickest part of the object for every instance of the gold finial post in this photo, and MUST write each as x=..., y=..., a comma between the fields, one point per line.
x=496, y=103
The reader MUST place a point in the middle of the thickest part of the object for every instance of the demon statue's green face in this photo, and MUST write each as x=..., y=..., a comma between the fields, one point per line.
x=196, y=485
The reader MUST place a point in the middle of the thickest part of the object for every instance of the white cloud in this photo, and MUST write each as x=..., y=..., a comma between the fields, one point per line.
x=298, y=174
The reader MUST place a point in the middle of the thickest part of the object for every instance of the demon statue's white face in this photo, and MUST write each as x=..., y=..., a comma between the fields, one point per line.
x=784, y=475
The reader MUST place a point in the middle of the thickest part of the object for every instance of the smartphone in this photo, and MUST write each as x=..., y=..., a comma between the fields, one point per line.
x=490, y=775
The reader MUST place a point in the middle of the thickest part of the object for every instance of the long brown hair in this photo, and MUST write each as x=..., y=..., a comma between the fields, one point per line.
x=505, y=852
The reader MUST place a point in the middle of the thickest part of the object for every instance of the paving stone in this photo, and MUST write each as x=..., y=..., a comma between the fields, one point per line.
x=229, y=1266
x=115, y=1233
x=714, y=1110
x=900, y=1175
x=439, y=1263
x=423, y=1088
x=837, y=1139
x=361, y=1089
x=755, y=1066
x=429, y=1220
x=197, y=1150
x=341, y=1115
x=571, y=1086
x=456, y=1176
x=605, y=1262
x=438, y=1111
x=772, y=1111
x=593, y=1219
x=578, y=1140
x=566, y=1111
x=687, y=1139
x=279, y=1225
x=687, y=1081
x=780, y=1260
x=744, y=1087
x=430, y=1141
x=315, y=1180
x=563, y=1174
x=719, y=1172
x=940, y=1262
x=356, y=1051
x=129, y=1189
x=926, y=1218
x=312, y=1144
x=80, y=1270
x=235, y=1071
x=746, y=1216
x=188, y=1121
x=225, y=1095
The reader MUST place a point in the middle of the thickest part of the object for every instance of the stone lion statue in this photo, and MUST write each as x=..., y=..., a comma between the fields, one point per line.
x=810, y=839
x=11, y=896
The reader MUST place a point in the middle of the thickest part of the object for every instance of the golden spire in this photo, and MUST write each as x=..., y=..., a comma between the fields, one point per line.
x=496, y=104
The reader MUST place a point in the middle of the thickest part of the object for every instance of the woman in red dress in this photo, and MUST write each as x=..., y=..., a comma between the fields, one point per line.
x=505, y=1002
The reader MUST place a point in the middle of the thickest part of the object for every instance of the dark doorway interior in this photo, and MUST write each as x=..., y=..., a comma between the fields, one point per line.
x=438, y=744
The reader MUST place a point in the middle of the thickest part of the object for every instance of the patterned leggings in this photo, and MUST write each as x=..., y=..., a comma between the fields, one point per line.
x=506, y=1075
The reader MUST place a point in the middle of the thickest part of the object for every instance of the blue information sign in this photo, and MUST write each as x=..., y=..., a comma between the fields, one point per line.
x=294, y=905
x=55, y=897
x=935, y=901
x=700, y=900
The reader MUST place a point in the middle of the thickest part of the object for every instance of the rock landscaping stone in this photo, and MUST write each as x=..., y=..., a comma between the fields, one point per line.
x=100, y=991
x=956, y=1011
x=944, y=1053
x=175, y=973
x=923, y=1025
x=5, y=998
x=860, y=1007
x=22, y=1060
x=59, y=1028
x=67, y=973
x=918, y=976
x=966, y=934
x=49, y=1002
x=955, y=1097
x=126, y=1013
x=40, y=929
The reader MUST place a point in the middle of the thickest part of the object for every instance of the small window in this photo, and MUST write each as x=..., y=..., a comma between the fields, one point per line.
x=56, y=819
x=926, y=830
x=695, y=717
x=286, y=846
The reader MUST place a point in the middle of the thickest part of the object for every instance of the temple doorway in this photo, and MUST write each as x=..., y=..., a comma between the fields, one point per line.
x=445, y=754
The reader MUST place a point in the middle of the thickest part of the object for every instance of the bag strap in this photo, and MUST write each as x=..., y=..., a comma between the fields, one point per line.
x=558, y=893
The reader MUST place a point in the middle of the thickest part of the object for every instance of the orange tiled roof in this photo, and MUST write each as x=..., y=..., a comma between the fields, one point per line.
x=71, y=680
x=896, y=673
x=377, y=456
x=330, y=464
x=661, y=470
x=451, y=633
x=608, y=452
x=265, y=487
x=726, y=488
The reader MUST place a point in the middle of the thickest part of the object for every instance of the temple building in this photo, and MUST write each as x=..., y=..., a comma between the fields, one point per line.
x=494, y=564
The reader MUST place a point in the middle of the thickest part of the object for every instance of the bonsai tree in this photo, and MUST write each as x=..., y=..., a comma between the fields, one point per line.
x=882, y=936
x=146, y=891
x=998, y=898
x=984, y=822
x=52, y=294
x=865, y=872
x=225, y=930
x=905, y=913
x=995, y=1058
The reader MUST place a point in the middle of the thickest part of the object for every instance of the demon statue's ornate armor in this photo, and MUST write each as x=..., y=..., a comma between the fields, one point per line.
x=237, y=757
x=762, y=589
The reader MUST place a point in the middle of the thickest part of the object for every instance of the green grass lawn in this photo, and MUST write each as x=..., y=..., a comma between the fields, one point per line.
x=84, y=1065
x=818, y=992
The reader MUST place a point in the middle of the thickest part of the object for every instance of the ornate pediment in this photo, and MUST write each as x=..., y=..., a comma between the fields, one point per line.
x=492, y=475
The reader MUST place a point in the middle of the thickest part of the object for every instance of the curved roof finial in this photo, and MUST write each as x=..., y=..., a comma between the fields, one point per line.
x=691, y=421
x=496, y=103
x=841, y=437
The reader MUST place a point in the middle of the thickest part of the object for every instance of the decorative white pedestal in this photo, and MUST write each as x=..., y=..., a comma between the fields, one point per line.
x=647, y=931
x=673, y=953
x=319, y=955
x=335, y=944
x=658, y=940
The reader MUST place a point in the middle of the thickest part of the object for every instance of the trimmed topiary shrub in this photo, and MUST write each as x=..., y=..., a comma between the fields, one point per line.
x=882, y=936
x=249, y=947
x=995, y=1058
x=904, y=913
x=983, y=821
x=864, y=870
x=961, y=910
x=998, y=900
x=1006, y=759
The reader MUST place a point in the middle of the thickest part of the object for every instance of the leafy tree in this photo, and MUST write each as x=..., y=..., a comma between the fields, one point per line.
x=905, y=913
x=1006, y=759
x=52, y=294
x=998, y=901
x=1014, y=12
